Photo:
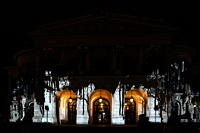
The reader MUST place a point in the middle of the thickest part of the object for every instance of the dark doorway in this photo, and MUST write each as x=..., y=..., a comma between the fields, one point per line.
x=72, y=112
x=130, y=110
x=101, y=111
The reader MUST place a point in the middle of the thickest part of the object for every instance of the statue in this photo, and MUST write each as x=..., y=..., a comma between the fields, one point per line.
x=23, y=101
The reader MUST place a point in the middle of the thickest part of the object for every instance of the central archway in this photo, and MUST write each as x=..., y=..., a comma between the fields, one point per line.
x=100, y=102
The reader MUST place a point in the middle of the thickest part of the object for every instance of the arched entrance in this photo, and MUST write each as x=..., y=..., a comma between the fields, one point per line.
x=135, y=105
x=100, y=102
x=101, y=111
x=66, y=107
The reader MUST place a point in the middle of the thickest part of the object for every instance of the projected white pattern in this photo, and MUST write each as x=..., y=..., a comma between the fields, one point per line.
x=56, y=112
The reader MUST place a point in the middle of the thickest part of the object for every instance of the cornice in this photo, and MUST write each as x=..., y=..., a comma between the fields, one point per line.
x=22, y=52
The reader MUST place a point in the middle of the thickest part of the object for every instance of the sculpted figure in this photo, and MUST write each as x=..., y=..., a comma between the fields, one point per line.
x=23, y=101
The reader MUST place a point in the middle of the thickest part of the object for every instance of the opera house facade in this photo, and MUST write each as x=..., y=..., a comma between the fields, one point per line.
x=103, y=69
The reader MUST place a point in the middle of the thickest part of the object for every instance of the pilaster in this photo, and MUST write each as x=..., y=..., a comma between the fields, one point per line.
x=117, y=117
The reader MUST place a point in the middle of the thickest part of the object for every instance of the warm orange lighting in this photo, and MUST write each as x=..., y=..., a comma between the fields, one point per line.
x=70, y=99
x=126, y=108
x=131, y=99
x=100, y=99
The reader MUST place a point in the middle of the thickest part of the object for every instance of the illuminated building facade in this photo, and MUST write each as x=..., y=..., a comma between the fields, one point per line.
x=94, y=70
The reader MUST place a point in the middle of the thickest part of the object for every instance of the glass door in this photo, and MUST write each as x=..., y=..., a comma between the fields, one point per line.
x=101, y=111
x=72, y=112
x=129, y=108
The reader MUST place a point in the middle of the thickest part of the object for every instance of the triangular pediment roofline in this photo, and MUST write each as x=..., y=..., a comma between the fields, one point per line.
x=111, y=19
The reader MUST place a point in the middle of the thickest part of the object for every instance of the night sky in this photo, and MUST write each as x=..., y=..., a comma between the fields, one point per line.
x=20, y=18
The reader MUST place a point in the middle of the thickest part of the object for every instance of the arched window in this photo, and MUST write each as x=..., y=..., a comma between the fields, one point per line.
x=73, y=66
x=101, y=66
x=101, y=109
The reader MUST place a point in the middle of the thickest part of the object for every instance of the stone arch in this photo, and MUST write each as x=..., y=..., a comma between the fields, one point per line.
x=62, y=100
x=141, y=100
x=95, y=95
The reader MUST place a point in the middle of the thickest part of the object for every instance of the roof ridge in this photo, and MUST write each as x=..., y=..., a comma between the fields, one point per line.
x=111, y=15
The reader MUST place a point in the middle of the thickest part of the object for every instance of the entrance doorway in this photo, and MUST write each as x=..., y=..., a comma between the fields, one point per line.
x=130, y=111
x=66, y=107
x=101, y=111
x=72, y=112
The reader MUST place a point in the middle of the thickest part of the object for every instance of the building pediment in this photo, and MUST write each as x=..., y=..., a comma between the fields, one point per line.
x=103, y=24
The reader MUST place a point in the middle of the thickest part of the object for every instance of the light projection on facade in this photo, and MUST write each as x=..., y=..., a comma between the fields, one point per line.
x=88, y=105
x=107, y=56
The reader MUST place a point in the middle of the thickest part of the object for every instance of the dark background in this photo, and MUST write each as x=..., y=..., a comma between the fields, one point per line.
x=20, y=18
